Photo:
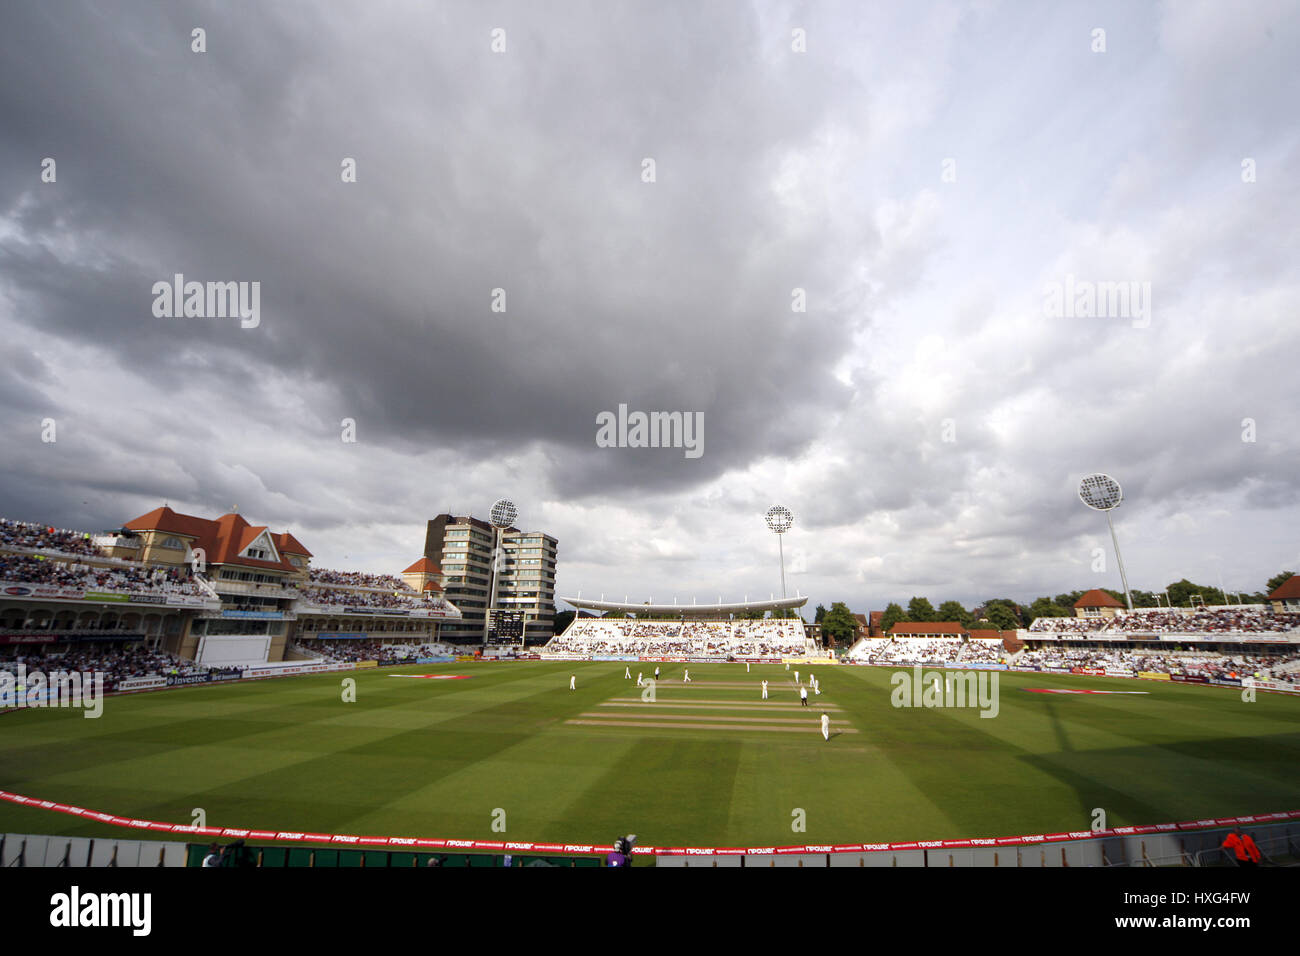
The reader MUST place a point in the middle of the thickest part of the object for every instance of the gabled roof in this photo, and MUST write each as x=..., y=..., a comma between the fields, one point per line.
x=1097, y=598
x=423, y=566
x=222, y=539
x=1287, y=590
x=288, y=544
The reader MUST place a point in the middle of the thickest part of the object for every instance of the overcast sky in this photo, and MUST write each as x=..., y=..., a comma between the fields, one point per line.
x=924, y=172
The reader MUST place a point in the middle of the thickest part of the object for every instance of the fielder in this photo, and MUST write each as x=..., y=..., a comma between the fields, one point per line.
x=627, y=673
x=796, y=677
x=573, y=682
x=686, y=678
x=640, y=682
x=826, y=727
x=764, y=690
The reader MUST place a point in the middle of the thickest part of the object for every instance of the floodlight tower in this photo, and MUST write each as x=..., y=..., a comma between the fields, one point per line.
x=503, y=516
x=1102, y=493
x=779, y=520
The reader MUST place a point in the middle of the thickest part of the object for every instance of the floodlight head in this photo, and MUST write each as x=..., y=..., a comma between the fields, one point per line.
x=779, y=519
x=503, y=513
x=1100, y=492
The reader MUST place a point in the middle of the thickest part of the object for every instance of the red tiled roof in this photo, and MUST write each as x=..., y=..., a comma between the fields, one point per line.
x=927, y=627
x=288, y=544
x=1287, y=590
x=423, y=566
x=1097, y=598
x=222, y=539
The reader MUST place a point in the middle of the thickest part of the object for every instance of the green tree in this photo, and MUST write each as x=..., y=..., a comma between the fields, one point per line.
x=1182, y=592
x=1146, y=599
x=1044, y=607
x=821, y=614
x=920, y=609
x=562, y=620
x=840, y=625
x=1067, y=600
x=893, y=614
x=953, y=611
x=1002, y=613
x=1277, y=580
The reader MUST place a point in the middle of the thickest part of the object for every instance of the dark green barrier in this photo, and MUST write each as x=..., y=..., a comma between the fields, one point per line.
x=298, y=856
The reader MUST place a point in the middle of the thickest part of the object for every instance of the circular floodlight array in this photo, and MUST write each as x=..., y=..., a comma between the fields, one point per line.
x=1100, y=492
x=779, y=519
x=504, y=513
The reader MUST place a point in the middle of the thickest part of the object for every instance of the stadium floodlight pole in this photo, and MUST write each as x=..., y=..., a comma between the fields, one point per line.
x=779, y=520
x=502, y=516
x=1103, y=493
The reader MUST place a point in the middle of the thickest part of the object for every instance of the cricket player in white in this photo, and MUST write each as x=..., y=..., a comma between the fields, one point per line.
x=686, y=679
x=765, y=690
x=746, y=667
x=796, y=677
x=573, y=682
x=639, y=681
x=826, y=727
x=627, y=673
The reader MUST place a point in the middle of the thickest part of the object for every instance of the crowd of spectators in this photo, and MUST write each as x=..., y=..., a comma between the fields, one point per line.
x=1068, y=625
x=1243, y=619
x=351, y=651
x=357, y=579
x=347, y=597
x=928, y=650
x=1187, y=663
x=23, y=534
x=714, y=639
x=115, y=664
x=35, y=569
x=397, y=595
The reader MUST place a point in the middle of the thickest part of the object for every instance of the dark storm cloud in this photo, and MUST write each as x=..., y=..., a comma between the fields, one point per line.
x=775, y=171
x=519, y=172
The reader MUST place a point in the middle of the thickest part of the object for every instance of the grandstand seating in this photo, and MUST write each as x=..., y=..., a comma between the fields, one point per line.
x=1240, y=619
x=24, y=534
x=587, y=637
x=29, y=569
x=115, y=665
x=1189, y=663
x=928, y=650
x=357, y=589
x=350, y=651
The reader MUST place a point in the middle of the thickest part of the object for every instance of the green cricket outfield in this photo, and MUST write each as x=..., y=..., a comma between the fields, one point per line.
x=705, y=764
